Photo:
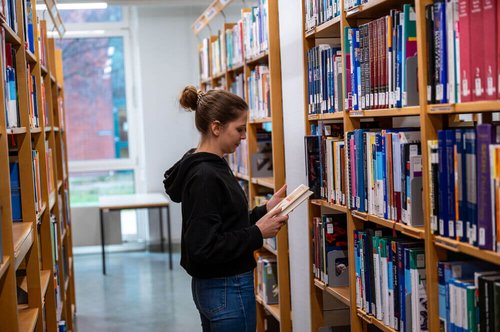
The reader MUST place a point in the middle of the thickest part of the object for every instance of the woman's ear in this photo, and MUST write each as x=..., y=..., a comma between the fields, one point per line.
x=216, y=127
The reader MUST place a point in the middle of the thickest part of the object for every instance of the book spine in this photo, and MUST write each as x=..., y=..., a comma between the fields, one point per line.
x=443, y=184
x=490, y=49
x=485, y=228
x=477, y=49
x=450, y=165
x=440, y=52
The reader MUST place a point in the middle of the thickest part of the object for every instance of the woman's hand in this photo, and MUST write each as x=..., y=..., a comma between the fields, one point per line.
x=271, y=223
x=277, y=197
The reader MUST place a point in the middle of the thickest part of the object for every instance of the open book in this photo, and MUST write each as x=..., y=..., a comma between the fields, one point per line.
x=290, y=202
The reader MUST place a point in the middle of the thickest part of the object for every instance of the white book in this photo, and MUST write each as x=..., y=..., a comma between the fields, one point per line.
x=294, y=199
x=378, y=291
x=385, y=289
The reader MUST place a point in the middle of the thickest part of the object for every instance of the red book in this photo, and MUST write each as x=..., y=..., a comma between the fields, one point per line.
x=464, y=35
x=490, y=49
x=476, y=44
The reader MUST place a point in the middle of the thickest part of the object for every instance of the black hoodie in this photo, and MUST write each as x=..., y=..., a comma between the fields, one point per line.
x=218, y=234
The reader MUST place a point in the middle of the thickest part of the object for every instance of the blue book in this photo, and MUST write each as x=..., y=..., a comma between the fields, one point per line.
x=360, y=170
x=441, y=54
x=399, y=64
x=461, y=228
x=443, y=184
x=15, y=190
x=450, y=171
x=355, y=68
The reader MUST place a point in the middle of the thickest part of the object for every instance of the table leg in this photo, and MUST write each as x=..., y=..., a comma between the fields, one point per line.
x=101, y=217
x=169, y=238
x=161, y=230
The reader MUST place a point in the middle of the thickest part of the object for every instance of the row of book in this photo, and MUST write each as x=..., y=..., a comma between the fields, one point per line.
x=8, y=11
x=350, y=4
x=381, y=62
x=238, y=85
x=391, y=279
x=238, y=161
x=28, y=25
x=321, y=11
x=469, y=296
x=324, y=83
x=463, y=50
x=267, y=278
x=238, y=42
x=329, y=243
x=259, y=89
x=464, y=166
x=10, y=82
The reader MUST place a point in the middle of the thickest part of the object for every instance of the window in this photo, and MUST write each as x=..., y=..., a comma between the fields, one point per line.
x=95, y=87
x=102, y=152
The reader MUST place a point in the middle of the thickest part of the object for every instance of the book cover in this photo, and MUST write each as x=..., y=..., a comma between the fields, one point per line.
x=443, y=184
x=292, y=200
x=477, y=49
x=433, y=184
x=440, y=52
x=490, y=21
x=485, y=137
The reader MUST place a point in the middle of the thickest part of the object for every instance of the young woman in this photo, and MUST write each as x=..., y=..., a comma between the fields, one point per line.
x=219, y=236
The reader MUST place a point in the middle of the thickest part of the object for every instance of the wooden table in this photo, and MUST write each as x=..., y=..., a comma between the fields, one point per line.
x=135, y=201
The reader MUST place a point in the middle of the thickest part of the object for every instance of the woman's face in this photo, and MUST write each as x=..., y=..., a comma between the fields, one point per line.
x=233, y=132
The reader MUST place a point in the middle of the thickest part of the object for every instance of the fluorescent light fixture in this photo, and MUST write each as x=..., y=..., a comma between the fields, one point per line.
x=76, y=6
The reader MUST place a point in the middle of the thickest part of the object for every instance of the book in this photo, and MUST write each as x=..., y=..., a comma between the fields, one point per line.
x=290, y=202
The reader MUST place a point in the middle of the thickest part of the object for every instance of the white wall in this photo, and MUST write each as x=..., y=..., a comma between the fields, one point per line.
x=292, y=73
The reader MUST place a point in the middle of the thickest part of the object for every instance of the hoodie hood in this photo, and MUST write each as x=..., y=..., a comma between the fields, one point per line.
x=175, y=177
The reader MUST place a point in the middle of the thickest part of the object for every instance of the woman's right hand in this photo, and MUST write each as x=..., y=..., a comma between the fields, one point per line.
x=271, y=223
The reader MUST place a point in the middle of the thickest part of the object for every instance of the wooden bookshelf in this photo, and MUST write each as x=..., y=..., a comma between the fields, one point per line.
x=271, y=58
x=28, y=245
x=340, y=293
x=270, y=249
x=431, y=118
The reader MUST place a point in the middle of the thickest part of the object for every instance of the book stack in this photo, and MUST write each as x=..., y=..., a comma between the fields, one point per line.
x=468, y=296
x=28, y=26
x=329, y=239
x=50, y=169
x=381, y=62
x=11, y=107
x=204, y=59
x=256, y=29
x=218, y=50
x=238, y=86
x=324, y=86
x=32, y=101
x=267, y=278
x=238, y=160
x=234, y=45
x=258, y=92
x=390, y=279
x=385, y=174
x=465, y=187
x=319, y=12
x=9, y=11
x=37, y=185
x=463, y=49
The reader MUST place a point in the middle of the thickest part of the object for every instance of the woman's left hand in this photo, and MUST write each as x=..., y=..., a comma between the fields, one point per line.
x=277, y=197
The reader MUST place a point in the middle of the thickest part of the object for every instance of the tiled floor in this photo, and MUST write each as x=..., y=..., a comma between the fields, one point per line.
x=139, y=293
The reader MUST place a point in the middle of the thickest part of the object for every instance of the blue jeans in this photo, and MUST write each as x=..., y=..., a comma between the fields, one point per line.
x=226, y=303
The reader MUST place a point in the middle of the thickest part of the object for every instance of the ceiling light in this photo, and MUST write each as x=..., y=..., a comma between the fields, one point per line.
x=76, y=6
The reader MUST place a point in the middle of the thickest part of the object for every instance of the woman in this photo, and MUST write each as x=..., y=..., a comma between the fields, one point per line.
x=218, y=234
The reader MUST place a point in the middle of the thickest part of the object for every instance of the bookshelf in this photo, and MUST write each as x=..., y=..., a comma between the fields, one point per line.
x=28, y=266
x=430, y=119
x=269, y=57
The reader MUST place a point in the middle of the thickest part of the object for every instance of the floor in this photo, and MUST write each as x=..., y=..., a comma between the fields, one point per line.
x=139, y=293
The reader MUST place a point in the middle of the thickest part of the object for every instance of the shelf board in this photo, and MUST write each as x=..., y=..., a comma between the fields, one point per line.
x=59, y=185
x=340, y=293
x=270, y=249
x=36, y=130
x=16, y=131
x=386, y=112
x=27, y=319
x=326, y=116
x=274, y=309
x=236, y=68
x=462, y=247
x=48, y=128
x=208, y=14
x=324, y=203
x=261, y=120
x=66, y=284
x=53, y=78
x=242, y=176
x=414, y=232
x=23, y=239
x=258, y=59
x=264, y=182
x=52, y=200
x=463, y=108
x=44, y=281
x=30, y=57
x=10, y=35
x=218, y=75
x=374, y=8
x=4, y=266
x=374, y=321
x=329, y=28
x=206, y=81
x=56, y=129
x=44, y=70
